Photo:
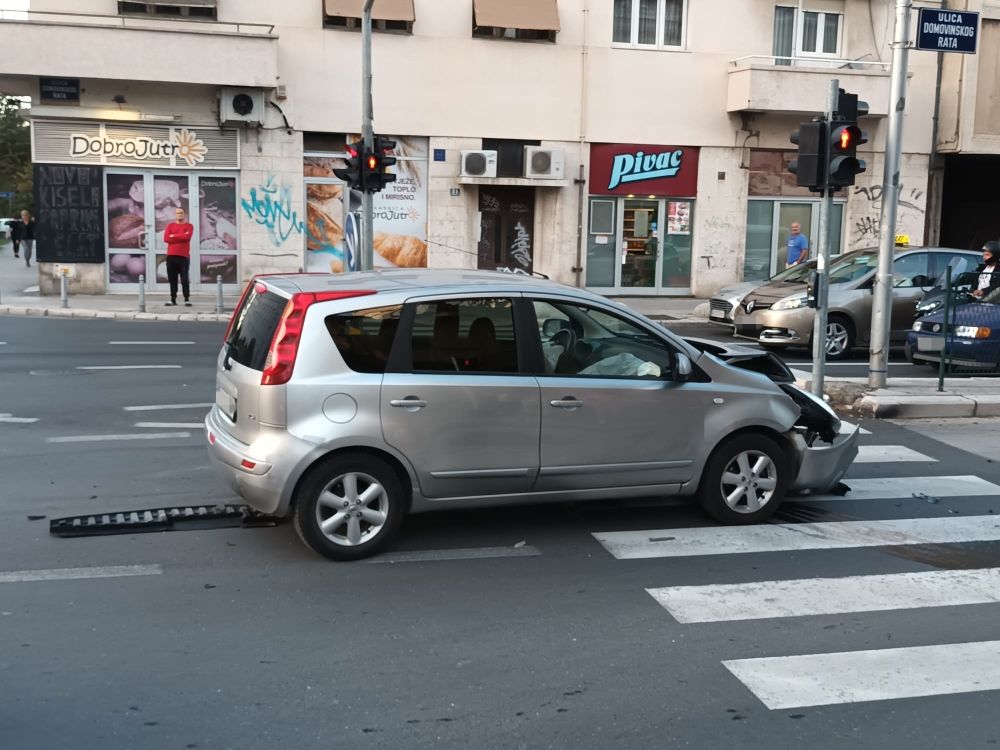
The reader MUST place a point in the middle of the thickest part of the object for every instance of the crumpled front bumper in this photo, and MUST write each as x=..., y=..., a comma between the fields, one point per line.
x=824, y=464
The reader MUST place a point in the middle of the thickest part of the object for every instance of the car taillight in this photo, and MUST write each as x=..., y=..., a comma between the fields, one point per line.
x=285, y=345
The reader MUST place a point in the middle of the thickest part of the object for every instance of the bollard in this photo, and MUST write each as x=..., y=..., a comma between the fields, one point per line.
x=64, y=290
x=142, y=293
x=218, y=294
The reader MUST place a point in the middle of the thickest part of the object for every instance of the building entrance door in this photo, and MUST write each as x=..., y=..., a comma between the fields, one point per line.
x=507, y=228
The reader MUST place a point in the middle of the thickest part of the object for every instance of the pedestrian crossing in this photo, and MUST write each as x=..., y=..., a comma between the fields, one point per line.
x=799, y=679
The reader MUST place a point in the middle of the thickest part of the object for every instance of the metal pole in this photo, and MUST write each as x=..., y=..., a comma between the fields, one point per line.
x=367, y=259
x=64, y=290
x=882, y=304
x=218, y=294
x=944, y=331
x=823, y=259
x=142, y=293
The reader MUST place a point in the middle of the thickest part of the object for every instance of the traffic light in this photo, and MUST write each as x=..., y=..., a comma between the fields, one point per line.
x=809, y=164
x=385, y=148
x=844, y=138
x=352, y=172
x=376, y=162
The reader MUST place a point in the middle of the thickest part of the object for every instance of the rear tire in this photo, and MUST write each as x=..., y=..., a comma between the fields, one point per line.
x=745, y=480
x=350, y=506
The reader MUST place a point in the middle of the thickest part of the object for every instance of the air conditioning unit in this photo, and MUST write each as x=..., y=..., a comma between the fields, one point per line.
x=479, y=164
x=544, y=163
x=241, y=105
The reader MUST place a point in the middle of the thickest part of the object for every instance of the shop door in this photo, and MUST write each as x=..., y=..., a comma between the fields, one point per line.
x=641, y=239
x=507, y=228
x=788, y=214
x=141, y=204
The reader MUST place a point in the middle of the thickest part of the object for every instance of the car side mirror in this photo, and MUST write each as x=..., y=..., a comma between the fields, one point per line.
x=551, y=326
x=684, y=368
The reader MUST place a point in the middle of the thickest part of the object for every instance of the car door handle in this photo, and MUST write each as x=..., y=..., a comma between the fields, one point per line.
x=410, y=402
x=567, y=403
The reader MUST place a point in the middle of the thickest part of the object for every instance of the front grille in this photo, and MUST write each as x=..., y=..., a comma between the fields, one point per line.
x=720, y=305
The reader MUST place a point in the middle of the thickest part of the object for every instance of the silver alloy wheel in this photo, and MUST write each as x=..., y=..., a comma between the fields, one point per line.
x=352, y=509
x=837, y=337
x=749, y=481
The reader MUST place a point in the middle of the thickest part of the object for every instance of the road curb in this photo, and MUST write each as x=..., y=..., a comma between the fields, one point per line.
x=63, y=312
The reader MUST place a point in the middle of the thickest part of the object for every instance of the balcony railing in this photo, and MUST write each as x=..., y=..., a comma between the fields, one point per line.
x=806, y=62
x=186, y=25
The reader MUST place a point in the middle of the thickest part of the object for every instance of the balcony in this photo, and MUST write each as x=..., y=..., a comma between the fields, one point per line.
x=138, y=49
x=800, y=86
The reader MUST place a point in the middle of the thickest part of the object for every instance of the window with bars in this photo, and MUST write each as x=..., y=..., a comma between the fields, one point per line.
x=650, y=23
x=188, y=10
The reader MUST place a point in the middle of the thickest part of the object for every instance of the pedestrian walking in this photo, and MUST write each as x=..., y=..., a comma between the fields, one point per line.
x=177, y=236
x=798, y=245
x=988, y=270
x=24, y=237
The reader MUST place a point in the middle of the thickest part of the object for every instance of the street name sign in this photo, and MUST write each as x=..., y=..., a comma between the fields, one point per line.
x=947, y=31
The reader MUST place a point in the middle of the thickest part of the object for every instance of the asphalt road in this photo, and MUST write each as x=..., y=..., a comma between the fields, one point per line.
x=462, y=636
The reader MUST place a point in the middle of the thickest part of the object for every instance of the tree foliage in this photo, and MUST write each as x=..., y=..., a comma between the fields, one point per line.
x=15, y=156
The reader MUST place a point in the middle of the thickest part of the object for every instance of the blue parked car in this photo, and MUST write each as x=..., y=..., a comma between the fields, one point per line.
x=972, y=340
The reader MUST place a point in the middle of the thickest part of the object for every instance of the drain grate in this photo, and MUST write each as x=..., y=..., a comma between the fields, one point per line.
x=161, y=519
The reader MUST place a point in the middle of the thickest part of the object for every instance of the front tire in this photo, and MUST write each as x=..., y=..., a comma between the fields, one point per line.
x=839, y=338
x=745, y=480
x=349, y=507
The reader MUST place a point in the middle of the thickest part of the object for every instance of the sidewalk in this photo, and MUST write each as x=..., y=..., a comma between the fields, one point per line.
x=905, y=398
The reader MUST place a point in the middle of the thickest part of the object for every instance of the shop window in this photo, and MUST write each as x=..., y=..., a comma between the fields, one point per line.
x=659, y=24
x=806, y=34
x=190, y=9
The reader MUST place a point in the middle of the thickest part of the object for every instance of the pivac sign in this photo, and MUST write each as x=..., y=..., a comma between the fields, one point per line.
x=640, y=166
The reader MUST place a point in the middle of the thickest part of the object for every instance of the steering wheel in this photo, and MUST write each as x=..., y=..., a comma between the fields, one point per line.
x=566, y=338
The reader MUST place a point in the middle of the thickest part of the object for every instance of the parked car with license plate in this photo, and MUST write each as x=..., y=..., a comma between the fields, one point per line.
x=347, y=401
x=780, y=316
x=722, y=305
x=970, y=340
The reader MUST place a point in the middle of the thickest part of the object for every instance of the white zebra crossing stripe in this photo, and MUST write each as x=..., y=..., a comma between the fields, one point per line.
x=882, y=454
x=894, y=488
x=728, y=540
x=827, y=596
x=884, y=674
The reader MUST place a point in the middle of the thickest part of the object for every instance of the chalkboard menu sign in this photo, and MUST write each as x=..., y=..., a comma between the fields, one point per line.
x=69, y=213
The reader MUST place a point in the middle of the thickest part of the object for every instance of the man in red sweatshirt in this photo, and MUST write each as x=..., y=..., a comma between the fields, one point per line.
x=178, y=239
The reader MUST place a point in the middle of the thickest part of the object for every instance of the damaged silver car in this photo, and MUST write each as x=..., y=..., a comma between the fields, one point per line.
x=348, y=401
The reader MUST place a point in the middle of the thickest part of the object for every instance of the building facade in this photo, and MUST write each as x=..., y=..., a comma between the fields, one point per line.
x=636, y=147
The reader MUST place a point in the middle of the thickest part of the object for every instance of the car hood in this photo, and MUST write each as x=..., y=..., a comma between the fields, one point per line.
x=970, y=314
x=746, y=358
x=737, y=290
x=771, y=293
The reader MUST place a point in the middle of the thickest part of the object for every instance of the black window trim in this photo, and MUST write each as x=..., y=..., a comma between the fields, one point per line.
x=353, y=23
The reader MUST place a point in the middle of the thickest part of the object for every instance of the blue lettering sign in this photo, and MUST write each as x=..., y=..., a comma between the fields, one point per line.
x=641, y=166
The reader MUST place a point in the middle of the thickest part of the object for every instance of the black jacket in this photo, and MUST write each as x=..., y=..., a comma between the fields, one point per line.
x=21, y=231
x=994, y=279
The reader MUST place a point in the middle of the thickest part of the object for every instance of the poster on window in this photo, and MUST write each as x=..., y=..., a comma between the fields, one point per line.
x=678, y=217
x=169, y=194
x=217, y=214
x=400, y=214
x=126, y=210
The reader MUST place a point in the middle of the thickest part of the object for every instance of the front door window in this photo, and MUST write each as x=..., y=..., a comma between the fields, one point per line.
x=640, y=243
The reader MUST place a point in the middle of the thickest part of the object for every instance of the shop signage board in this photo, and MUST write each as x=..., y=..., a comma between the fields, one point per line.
x=643, y=169
x=947, y=30
x=69, y=213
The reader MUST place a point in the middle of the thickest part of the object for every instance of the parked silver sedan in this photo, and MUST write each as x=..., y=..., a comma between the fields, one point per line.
x=347, y=401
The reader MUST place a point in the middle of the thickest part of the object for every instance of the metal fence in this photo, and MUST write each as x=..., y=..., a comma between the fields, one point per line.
x=959, y=328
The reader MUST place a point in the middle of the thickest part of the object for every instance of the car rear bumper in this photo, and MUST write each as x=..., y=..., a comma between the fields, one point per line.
x=260, y=473
x=823, y=464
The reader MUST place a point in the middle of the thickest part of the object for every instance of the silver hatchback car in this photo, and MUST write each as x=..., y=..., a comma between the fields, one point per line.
x=347, y=401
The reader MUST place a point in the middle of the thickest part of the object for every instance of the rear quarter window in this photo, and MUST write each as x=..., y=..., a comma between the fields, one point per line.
x=254, y=327
x=364, y=337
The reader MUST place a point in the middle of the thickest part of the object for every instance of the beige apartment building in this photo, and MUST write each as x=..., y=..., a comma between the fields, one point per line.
x=635, y=147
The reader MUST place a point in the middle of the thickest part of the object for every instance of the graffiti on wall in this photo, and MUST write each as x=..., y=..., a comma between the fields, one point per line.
x=868, y=214
x=270, y=206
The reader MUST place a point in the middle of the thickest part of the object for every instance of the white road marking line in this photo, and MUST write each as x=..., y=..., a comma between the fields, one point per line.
x=172, y=425
x=826, y=596
x=102, y=438
x=157, y=407
x=469, y=553
x=883, y=674
x=150, y=343
x=894, y=488
x=846, y=427
x=131, y=367
x=72, y=574
x=878, y=454
x=728, y=540
x=7, y=418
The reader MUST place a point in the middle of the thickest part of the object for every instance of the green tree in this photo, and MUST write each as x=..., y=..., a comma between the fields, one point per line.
x=15, y=157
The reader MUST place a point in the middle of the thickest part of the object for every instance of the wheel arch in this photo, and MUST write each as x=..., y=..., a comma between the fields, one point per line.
x=401, y=472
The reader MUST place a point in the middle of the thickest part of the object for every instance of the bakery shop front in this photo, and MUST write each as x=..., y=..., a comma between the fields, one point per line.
x=333, y=211
x=641, y=218
x=132, y=179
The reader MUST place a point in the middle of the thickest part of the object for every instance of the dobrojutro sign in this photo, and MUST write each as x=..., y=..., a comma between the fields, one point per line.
x=947, y=30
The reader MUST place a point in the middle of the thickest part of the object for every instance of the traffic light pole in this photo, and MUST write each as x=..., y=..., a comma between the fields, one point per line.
x=367, y=259
x=882, y=304
x=823, y=260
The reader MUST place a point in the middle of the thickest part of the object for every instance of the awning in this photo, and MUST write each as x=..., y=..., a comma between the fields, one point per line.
x=186, y=3
x=382, y=10
x=540, y=15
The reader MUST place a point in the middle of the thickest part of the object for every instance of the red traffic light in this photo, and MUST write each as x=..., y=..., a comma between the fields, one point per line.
x=845, y=139
x=372, y=162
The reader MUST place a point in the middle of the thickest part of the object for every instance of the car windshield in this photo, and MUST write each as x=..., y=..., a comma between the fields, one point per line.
x=852, y=268
x=794, y=273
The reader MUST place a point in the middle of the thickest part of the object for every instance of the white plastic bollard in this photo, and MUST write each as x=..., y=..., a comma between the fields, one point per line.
x=218, y=294
x=142, y=293
x=64, y=290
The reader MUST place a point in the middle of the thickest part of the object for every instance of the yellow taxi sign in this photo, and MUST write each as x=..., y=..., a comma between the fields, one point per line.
x=902, y=240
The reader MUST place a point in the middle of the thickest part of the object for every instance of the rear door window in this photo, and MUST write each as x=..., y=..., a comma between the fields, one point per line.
x=464, y=335
x=254, y=327
x=365, y=337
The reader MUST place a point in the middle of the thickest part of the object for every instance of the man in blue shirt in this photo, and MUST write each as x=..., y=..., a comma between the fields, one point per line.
x=798, y=246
